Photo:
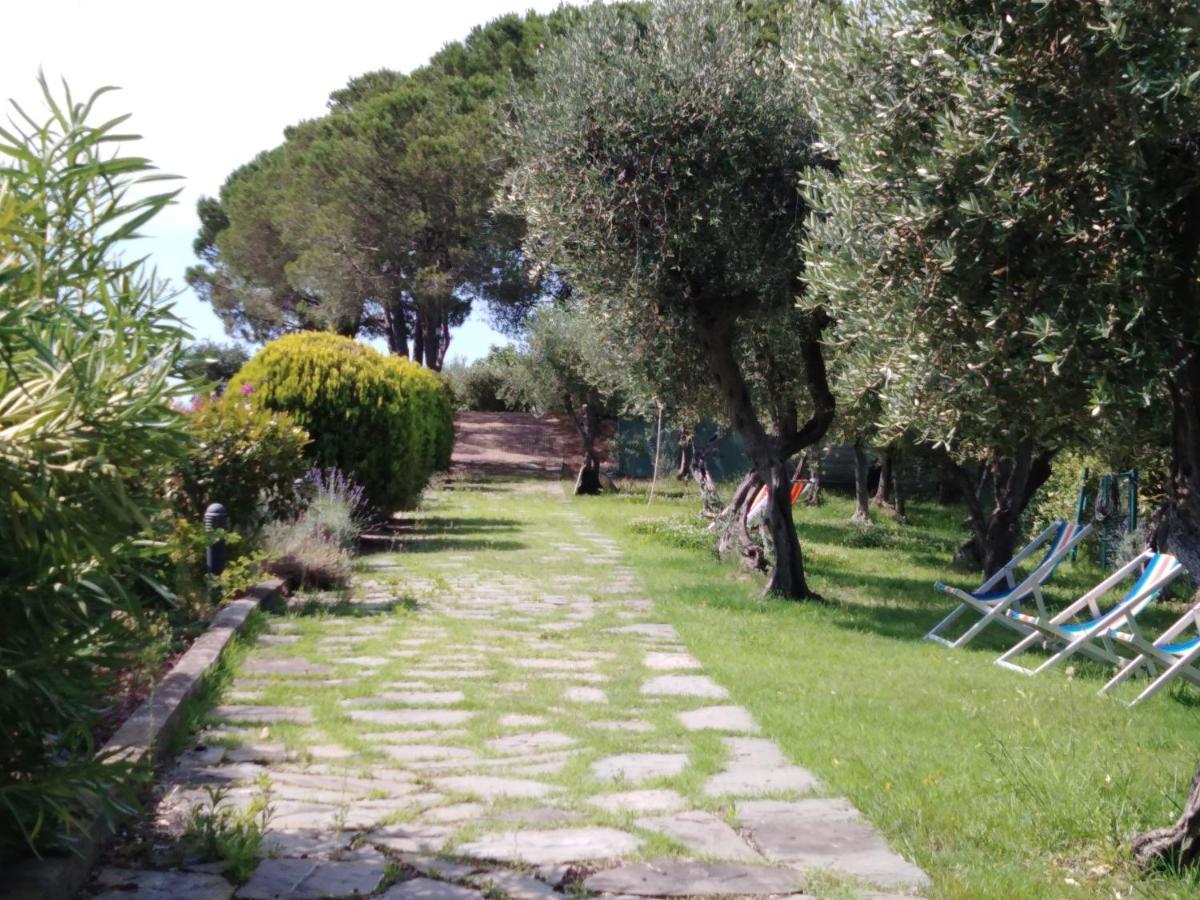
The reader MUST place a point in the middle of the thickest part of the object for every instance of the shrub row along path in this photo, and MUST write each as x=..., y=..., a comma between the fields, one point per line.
x=498, y=712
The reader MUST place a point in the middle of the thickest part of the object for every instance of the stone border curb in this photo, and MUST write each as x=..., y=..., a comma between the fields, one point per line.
x=138, y=741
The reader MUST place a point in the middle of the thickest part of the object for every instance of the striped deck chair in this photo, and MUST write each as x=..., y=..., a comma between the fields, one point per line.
x=1002, y=593
x=1175, y=656
x=756, y=513
x=1091, y=637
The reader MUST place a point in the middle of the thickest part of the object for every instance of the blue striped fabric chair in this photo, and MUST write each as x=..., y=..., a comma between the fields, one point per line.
x=1168, y=657
x=1002, y=593
x=1093, y=637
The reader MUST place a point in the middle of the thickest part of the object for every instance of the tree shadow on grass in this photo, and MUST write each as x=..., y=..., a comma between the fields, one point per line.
x=345, y=607
x=915, y=543
x=908, y=608
x=457, y=545
x=467, y=523
x=435, y=534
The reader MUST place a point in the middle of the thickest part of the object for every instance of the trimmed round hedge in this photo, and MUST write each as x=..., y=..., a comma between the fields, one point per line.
x=383, y=420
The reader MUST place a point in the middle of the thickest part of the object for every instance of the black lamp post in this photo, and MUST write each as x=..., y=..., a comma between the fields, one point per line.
x=215, y=518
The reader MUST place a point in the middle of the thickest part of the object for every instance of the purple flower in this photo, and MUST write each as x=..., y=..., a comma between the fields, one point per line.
x=334, y=484
x=247, y=389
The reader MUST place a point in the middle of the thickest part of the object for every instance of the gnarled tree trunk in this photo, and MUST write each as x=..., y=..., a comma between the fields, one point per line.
x=1179, y=526
x=587, y=481
x=1015, y=480
x=735, y=533
x=787, y=578
x=586, y=419
x=687, y=450
x=884, y=489
x=862, y=500
x=898, y=507
x=888, y=494
x=769, y=453
x=1177, y=845
x=698, y=470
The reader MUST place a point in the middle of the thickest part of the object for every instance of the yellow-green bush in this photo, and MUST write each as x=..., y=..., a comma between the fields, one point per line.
x=433, y=414
x=384, y=421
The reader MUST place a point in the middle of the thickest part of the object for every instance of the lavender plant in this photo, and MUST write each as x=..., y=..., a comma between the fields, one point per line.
x=338, y=509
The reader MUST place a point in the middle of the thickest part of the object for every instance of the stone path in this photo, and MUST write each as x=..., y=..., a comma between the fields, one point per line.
x=498, y=733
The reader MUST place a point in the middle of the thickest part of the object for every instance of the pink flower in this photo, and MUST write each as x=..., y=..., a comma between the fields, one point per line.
x=247, y=389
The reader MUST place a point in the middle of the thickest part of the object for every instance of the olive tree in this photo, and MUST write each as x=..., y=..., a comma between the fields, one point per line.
x=956, y=249
x=560, y=370
x=660, y=162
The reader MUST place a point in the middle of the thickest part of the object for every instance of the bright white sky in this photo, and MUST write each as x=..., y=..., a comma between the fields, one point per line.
x=212, y=84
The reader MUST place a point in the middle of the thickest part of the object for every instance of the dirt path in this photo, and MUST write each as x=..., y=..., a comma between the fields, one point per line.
x=512, y=444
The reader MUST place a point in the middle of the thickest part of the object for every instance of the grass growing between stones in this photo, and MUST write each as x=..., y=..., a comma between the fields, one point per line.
x=996, y=784
x=510, y=674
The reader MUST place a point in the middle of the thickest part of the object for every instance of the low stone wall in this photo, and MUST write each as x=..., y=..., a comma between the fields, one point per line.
x=138, y=741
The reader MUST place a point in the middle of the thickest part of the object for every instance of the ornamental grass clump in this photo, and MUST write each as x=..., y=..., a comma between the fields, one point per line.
x=304, y=556
x=315, y=550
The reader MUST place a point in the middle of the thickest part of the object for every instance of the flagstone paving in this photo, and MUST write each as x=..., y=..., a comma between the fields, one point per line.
x=492, y=730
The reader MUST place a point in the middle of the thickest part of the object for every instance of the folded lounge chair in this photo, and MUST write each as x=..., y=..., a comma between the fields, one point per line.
x=1175, y=657
x=756, y=513
x=1002, y=593
x=1092, y=637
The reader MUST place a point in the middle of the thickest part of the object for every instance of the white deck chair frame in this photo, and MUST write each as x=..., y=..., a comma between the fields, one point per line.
x=1153, y=657
x=1093, y=641
x=996, y=609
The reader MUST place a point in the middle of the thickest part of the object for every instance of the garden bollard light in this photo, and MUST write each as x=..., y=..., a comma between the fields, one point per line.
x=215, y=518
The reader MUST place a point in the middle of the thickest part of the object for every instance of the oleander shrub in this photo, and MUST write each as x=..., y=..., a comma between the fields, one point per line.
x=243, y=456
x=383, y=421
x=88, y=432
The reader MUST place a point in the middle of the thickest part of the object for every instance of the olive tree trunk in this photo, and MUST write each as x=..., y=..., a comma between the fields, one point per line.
x=862, y=498
x=1015, y=479
x=735, y=535
x=1178, y=521
x=1178, y=524
x=698, y=471
x=888, y=493
x=586, y=419
x=898, y=506
x=885, y=489
x=769, y=453
x=1177, y=845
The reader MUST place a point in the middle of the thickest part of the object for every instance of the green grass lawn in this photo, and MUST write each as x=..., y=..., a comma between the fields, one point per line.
x=997, y=784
